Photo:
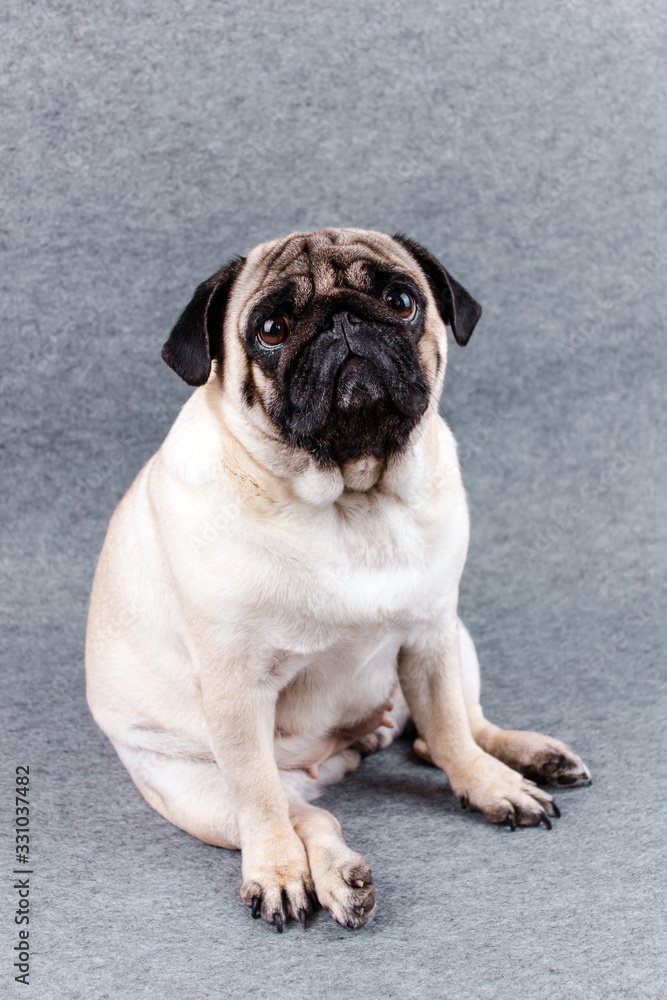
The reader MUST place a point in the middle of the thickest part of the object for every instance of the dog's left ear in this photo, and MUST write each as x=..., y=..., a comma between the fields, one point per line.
x=456, y=306
x=197, y=337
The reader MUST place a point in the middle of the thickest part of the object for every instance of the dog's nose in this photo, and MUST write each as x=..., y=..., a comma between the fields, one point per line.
x=344, y=321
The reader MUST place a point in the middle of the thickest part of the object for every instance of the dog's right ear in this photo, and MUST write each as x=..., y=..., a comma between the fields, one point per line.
x=197, y=337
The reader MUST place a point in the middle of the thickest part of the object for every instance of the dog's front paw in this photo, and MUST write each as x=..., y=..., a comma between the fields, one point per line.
x=281, y=889
x=503, y=795
x=344, y=885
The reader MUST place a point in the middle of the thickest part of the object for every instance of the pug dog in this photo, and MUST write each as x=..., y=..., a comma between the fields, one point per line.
x=277, y=591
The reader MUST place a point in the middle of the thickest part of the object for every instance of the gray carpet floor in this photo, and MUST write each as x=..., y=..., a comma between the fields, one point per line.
x=525, y=145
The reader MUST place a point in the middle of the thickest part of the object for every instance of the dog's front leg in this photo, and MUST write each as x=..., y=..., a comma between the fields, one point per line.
x=430, y=675
x=240, y=713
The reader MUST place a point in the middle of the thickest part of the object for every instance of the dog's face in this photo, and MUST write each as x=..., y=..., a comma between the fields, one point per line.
x=336, y=337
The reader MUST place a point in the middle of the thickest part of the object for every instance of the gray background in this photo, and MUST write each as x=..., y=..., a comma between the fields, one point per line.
x=524, y=143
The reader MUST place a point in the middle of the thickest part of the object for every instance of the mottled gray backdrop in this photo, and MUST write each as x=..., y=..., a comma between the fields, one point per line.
x=524, y=143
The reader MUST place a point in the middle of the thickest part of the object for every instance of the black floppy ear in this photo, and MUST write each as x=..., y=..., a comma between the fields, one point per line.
x=197, y=337
x=456, y=306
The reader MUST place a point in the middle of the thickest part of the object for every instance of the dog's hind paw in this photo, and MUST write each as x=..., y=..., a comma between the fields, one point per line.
x=372, y=742
x=501, y=793
x=557, y=766
x=543, y=759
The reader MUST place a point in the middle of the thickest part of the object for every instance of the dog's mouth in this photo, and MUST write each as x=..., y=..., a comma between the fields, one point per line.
x=358, y=385
x=353, y=397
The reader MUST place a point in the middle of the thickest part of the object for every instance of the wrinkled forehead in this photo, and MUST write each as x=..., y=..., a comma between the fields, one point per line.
x=313, y=263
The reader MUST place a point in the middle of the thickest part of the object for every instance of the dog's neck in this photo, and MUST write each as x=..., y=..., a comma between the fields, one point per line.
x=405, y=474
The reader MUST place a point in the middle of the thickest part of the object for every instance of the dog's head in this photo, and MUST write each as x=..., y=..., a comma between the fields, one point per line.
x=334, y=340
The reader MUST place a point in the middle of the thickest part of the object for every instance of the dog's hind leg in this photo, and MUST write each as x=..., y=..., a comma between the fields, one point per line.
x=189, y=792
x=540, y=758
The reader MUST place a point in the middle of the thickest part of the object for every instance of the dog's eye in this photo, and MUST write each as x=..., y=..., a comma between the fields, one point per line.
x=401, y=302
x=274, y=331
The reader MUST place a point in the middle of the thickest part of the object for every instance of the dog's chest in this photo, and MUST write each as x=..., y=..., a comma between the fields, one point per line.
x=351, y=582
x=369, y=584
